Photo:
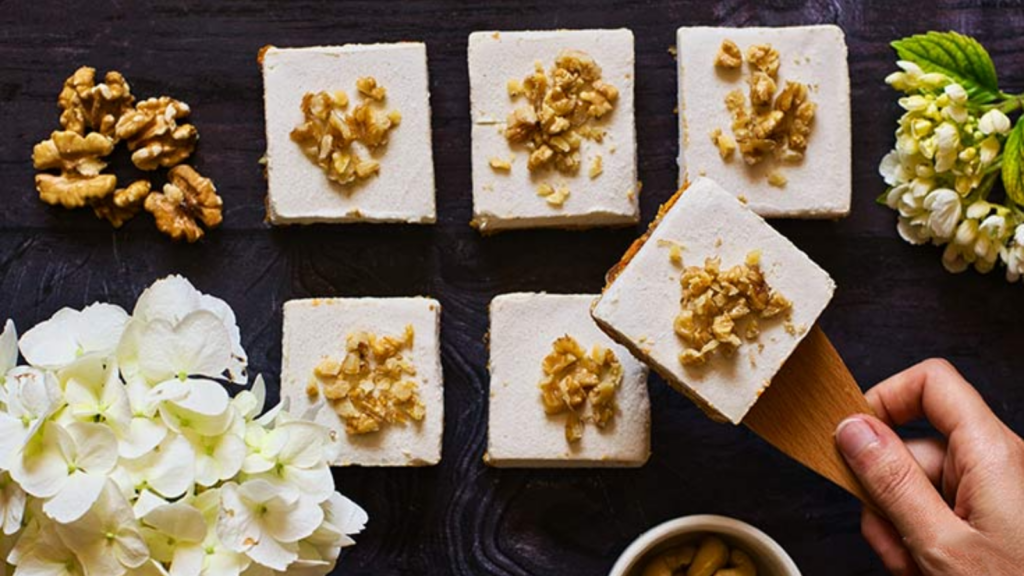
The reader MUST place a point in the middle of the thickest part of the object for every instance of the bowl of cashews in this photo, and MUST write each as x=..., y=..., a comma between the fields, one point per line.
x=704, y=545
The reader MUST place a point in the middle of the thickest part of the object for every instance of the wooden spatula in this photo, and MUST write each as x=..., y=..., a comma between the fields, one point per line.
x=798, y=414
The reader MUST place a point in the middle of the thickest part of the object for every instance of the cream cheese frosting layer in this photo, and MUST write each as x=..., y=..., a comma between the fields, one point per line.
x=641, y=304
x=318, y=327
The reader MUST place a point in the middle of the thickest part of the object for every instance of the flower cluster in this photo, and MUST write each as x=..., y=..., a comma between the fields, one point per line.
x=946, y=161
x=122, y=452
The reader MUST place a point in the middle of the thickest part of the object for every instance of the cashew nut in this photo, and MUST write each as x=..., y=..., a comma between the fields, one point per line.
x=712, y=555
x=666, y=563
x=740, y=564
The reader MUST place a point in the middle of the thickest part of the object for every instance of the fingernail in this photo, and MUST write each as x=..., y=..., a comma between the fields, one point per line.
x=853, y=435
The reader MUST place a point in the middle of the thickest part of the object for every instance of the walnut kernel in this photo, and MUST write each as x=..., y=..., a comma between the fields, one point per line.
x=373, y=384
x=154, y=135
x=765, y=58
x=716, y=302
x=327, y=132
x=187, y=199
x=729, y=55
x=79, y=160
x=582, y=385
x=500, y=164
x=86, y=105
x=596, y=166
x=560, y=105
x=725, y=144
x=123, y=204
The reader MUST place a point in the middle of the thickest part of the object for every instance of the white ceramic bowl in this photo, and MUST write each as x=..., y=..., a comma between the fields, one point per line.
x=771, y=559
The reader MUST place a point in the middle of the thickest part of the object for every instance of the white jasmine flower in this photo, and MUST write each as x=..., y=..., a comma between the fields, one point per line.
x=912, y=78
x=1013, y=255
x=67, y=466
x=70, y=334
x=944, y=208
x=266, y=521
x=947, y=140
x=107, y=539
x=994, y=122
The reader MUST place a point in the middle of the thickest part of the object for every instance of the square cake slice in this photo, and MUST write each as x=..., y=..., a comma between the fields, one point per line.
x=714, y=299
x=796, y=165
x=554, y=142
x=376, y=164
x=550, y=339
x=370, y=369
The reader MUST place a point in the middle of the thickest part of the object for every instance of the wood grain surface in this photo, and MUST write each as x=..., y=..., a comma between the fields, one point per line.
x=799, y=413
x=895, y=304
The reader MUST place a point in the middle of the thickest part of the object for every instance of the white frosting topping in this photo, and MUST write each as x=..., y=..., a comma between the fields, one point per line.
x=821, y=184
x=318, y=327
x=298, y=190
x=641, y=305
x=503, y=200
x=520, y=434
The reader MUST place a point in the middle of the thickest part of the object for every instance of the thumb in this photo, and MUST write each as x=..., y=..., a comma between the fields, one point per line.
x=894, y=480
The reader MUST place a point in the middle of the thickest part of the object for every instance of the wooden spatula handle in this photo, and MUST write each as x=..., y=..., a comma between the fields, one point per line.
x=798, y=414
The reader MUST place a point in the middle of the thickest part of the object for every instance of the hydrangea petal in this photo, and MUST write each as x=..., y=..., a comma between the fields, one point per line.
x=75, y=498
x=96, y=446
x=42, y=469
x=274, y=554
x=292, y=522
x=8, y=348
x=179, y=520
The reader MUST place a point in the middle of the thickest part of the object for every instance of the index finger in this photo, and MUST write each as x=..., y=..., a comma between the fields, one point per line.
x=934, y=390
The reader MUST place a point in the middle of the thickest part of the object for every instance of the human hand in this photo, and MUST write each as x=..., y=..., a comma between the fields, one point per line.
x=952, y=506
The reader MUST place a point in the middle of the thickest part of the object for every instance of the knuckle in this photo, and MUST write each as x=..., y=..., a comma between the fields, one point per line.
x=940, y=367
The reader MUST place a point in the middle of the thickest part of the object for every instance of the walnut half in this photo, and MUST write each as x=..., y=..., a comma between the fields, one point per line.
x=187, y=200
x=154, y=135
x=86, y=105
x=123, y=204
x=79, y=160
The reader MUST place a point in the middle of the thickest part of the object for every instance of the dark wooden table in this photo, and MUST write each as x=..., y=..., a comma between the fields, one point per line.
x=895, y=304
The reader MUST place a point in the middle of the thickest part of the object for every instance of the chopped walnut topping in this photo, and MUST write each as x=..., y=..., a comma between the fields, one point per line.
x=574, y=382
x=187, y=200
x=596, y=166
x=154, y=135
x=86, y=105
x=123, y=204
x=675, y=251
x=554, y=196
x=772, y=125
x=367, y=86
x=327, y=133
x=715, y=302
x=725, y=144
x=777, y=179
x=729, y=55
x=500, y=164
x=373, y=384
x=79, y=160
x=561, y=103
x=764, y=58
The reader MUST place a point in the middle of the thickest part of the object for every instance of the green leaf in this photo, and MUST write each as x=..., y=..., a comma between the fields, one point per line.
x=1013, y=164
x=960, y=57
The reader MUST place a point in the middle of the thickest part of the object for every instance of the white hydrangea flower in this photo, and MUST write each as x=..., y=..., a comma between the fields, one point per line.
x=119, y=454
x=67, y=466
x=31, y=397
x=994, y=122
x=70, y=333
x=266, y=521
x=107, y=539
x=172, y=300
